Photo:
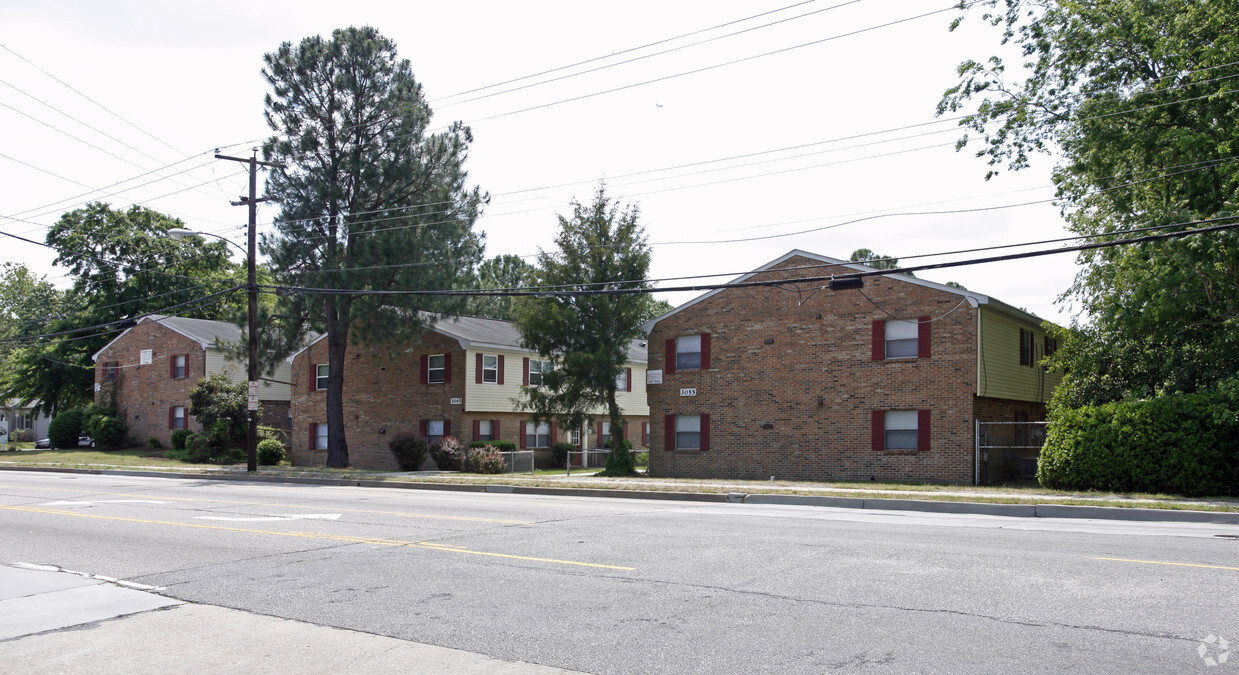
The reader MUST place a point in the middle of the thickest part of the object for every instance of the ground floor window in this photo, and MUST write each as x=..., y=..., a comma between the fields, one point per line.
x=434, y=431
x=320, y=436
x=901, y=430
x=538, y=434
x=486, y=431
x=176, y=417
x=687, y=432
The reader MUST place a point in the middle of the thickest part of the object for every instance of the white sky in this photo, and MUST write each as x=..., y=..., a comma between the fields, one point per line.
x=185, y=78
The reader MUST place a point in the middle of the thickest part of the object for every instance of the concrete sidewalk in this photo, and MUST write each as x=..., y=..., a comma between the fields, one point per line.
x=54, y=621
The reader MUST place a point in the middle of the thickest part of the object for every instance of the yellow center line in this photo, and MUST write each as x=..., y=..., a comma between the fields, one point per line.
x=1159, y=562
x=401, y=514
x=330, y=537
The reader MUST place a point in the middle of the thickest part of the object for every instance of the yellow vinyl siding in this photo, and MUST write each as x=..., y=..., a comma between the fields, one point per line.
x=501, y=398
x=999, y=373
x=236, y=371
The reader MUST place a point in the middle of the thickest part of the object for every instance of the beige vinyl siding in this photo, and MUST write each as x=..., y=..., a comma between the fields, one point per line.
x=501, y=398
x=216, y=362
x=999, y=373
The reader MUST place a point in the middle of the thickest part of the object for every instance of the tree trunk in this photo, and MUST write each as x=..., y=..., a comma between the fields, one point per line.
x=337, y=349
x=619, y=461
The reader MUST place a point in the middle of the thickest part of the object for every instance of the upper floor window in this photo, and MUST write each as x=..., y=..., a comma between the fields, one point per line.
x=1027, y=358
x=901, y=338
x=180, y=366
x=436, y=369
x=688, y=352
x=537, y=368
x=320, y=375
x=490, y=369
x=1051, y=345
x=621, y=380
x=111, y=370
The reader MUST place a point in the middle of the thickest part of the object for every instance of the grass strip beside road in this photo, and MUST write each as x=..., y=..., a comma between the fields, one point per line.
x=150, y=460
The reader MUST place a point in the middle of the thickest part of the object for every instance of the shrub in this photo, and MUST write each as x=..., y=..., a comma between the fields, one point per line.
x=229, y=456
x=410, y=451
x=179, y=437
x=21, y=436
x=154, y=443
x=196, y=450
x=641, y=458
x=560, y=452
x=1183, y=443
x=65, y=428
x=619, y=461
x=270, y=452
x=501, y=446
x=449, y=454
x=485, y=459
x=105, y=426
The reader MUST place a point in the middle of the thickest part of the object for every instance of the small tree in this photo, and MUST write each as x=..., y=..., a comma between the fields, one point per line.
x=220, y=405
x=601, y=247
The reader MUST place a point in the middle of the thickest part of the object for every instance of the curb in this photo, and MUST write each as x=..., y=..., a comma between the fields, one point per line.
x=922, y=506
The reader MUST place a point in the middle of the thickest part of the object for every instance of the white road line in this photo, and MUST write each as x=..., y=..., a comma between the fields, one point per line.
x=255, y=519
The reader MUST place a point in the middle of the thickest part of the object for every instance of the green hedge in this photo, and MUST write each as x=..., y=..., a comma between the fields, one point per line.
x=501, y=446
x=65, y=428
x=1183, y=444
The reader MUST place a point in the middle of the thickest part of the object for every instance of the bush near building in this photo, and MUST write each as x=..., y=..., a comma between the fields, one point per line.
x=1181, y=444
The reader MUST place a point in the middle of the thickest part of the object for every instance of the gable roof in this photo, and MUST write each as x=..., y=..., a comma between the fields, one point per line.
x=973, y=298
x=203, y=331
x=475, y=332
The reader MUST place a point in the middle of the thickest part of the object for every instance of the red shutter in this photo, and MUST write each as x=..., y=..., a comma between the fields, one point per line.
x=705, y=432
x=313, y=372
x=922, y=337
x=500, y=379
x=879, y=340
x=599, y=436
x=705, y=351
x=922, y=430
x=878, y=431
x=477, y=429
x=425, y=369
x=172, y=366
x=313, y=434
x=447, y=427
x=423, y=426
x=171, y=417
x=494, y=428
x=525, y=377
x=554, y=434
x=669, y=366
x=477, y=375
x=669, y=432
x=645, y=434
x=628, y=379
x=187, y=366
x=524, y=442
x=625, y=427
x=447, y=368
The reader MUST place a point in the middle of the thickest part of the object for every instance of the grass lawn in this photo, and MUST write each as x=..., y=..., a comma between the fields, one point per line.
x=84, y=457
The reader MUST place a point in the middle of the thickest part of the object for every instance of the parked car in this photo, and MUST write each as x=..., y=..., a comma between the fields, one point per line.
x=43, y=443
x=83, y=441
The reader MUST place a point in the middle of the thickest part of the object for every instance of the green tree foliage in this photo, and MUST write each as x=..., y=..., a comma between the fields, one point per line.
x=874, y=260
x=601, y=246
x=501, y=272
x=1140, y=101
x=221, y=406
x=123, y=265
x=369, y=200
x=655, y=309
x=28, y=305
x=65, y=428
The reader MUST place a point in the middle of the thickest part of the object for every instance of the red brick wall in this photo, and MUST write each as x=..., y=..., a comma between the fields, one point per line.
x=144, y=393
x=386, y=395
x=792, y=384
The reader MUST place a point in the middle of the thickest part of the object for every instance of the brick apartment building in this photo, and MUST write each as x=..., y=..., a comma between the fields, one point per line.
x=801, y=382
x=461, y=379
x=151, y=367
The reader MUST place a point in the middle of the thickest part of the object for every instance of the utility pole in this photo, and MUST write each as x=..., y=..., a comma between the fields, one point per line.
x=251, y=290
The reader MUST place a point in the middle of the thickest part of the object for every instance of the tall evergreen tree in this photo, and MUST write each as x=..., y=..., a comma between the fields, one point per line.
x=500, y=272
x=369, y=200
x=602, y=246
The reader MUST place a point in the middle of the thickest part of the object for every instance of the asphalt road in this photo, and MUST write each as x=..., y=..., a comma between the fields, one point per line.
x=635, y=586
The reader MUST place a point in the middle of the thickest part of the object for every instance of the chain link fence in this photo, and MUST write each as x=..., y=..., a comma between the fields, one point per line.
x=1008, y=451
x=518, y=461
x=587, y=459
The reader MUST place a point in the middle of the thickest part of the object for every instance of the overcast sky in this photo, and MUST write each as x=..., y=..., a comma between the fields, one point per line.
x=737, y=148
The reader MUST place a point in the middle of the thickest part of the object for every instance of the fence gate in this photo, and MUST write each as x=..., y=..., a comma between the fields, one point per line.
x=1007, y=451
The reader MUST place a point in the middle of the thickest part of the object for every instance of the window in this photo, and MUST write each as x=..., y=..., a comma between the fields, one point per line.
x=645, y=434
x=574, y=437
x=320, y=376
x=484, y=430
x=111, y=371
x=537, y=434
x=434, y=431
x=687, y=432
x=901, y=429
x=180, y=366
x=320, y=437
x=604, y=434
x=901, y=339
x=176, y=417
x=490, y=368
x=436, y=369
x=1051, y=345
x=688, y=352
x=1026, y=348
x=538, y=367
x=621, y=380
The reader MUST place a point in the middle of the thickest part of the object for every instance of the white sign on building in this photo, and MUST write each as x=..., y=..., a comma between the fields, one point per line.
x=653, y=377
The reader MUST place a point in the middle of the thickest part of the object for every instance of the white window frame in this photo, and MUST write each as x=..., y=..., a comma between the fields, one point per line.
x=621, y=380
x=431, y=369
x=688, y=432
x=688, y=352
x=604, y=440
x=320, y=436
x=431, y=436
x=486, y=431
x=180, y=366
x=490, y=369
x=180, y=417
x=537, y=434
x=902, y=430
x=322, y=372
x=538, y=367
x=902, y=339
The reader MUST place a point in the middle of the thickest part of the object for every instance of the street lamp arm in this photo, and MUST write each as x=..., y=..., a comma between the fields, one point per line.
x=179, y=233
